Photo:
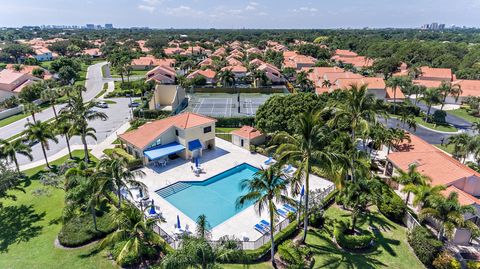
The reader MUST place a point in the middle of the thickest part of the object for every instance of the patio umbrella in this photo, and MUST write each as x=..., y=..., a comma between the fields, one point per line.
x=140, y=193
x=178, y=223
x=196, y=162
x=152, y=209
x=302, y=192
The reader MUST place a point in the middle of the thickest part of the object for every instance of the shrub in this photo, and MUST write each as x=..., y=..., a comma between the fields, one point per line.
x=446, y=261
x=235, y=121
x=424, y=244
x=150, y=114
x=392, y=207
x=79, y=230
x=473, y=265
x=439, y=117
x=350, y=241
x=293, y=255
x=315, y=219
x=405, y=108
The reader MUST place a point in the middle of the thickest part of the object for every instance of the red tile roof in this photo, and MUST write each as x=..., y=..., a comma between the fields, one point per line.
x=147, y=133
x=247, y=132
x=469, y=87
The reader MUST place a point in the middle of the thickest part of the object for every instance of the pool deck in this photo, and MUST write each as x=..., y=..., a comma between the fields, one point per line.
x=225, y=156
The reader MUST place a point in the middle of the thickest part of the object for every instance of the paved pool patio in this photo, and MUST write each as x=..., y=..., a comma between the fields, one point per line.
x=223, y=157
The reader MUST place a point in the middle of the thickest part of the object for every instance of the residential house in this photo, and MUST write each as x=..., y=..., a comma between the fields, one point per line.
x=208, y=74
x=162, y=74
x=350, y=57
x=238, y=70
x=469, y=88
x=12, y=82
x=42, y=54
x=185, y=135
x=246, y=136
x=297, y=61
x=272, y=72
x=149, y=62
x=94, y=53
x=441, y=169
x=173, y=51
x=28, y=69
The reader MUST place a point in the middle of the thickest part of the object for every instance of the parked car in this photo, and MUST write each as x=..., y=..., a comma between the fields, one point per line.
x=134, y=104
x=102, y=105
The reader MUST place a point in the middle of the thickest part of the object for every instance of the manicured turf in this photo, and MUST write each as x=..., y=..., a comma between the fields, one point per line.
x=392, y=249
x=224, y=133
x=20, y=116
x=446, y=148
x=29, y=226
x=463, y=113
x=443, y=128
x=114, y=74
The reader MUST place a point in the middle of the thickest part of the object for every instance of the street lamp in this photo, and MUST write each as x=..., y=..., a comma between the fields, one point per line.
x=131, y=106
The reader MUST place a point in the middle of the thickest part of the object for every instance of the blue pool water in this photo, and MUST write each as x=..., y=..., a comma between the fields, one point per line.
x=215, y=197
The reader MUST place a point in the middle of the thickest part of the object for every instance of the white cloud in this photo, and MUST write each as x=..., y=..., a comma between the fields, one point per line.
x=152, y=2
x=305, y=9
x=250, y=7
x=146, y=8
x=183, y=11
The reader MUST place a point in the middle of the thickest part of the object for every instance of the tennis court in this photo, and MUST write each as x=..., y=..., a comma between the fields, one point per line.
x=225, y=104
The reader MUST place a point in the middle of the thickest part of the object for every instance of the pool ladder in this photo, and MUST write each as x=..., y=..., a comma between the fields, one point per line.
x=172, y=189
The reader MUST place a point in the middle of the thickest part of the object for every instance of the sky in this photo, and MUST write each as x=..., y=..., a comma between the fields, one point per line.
x=264, y=14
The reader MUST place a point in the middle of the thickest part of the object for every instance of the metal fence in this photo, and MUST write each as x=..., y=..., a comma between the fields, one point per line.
x=410, y=221
x=315, y=197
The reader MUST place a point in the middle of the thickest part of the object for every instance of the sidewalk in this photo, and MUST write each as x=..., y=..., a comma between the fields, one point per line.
x=54, y=157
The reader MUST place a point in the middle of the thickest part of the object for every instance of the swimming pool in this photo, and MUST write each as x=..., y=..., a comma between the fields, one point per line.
x=215, y=197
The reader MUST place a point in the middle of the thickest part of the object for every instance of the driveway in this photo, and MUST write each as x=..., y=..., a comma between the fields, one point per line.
x=458, y=122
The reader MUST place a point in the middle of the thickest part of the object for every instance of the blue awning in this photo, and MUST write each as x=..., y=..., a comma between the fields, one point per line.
x=162, y=151
x=194, y=144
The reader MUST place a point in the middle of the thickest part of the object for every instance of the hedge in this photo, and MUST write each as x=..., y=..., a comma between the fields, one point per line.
x=473, y=265
x=405, y=108
x=235, y=121
x=352, y=242
x=393, y=207
x=424, y=244
x=79, y=231
x=150, y=114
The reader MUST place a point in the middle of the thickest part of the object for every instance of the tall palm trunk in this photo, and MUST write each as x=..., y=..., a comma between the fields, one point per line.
x=45, y=154
x=16, y=162
x=94, y=216
x=54, y=111
x=408, y=198
x=85, y=147
x=307, y=190
x=272, y=229
x=33, y=117
x=67, y=139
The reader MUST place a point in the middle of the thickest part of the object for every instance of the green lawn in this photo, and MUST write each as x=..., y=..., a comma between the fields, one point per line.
x=224, y=133
x=447, y=148
x=20, y=116
x=28, y=228
x=114, y=74
x=443, y=128
x=392, y=249
x=463, y=113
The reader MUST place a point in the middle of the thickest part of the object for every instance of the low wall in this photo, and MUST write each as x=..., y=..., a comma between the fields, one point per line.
x=10, y=112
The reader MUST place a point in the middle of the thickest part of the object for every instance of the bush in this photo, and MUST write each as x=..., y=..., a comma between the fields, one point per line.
x=424, y=244
x=393, y=207
x=473, y=265
x=150, y=114
x=295, y=256
x=405, y=108
x=446, y=261
x=235, y=121
x=132, y=162
x=350, y=241
x=79, y=231
x=439, y=117
x=316, y=218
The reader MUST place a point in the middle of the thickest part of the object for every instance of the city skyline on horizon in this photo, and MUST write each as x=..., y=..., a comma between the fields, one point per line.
x=259, y=14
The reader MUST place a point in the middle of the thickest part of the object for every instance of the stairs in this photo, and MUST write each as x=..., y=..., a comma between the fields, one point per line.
x=172, y=189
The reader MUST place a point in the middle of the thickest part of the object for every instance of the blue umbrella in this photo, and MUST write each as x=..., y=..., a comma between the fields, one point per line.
x=302, y=192
x=178, y=223
x=196, y=162
x=152, y=209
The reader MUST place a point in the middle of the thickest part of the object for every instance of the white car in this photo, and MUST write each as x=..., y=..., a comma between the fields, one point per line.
x=102, y=105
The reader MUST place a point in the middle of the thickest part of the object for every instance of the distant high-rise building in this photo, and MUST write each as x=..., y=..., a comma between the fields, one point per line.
x=441, y=26
x=108, y=26
x=90, y=26
x=434, y=26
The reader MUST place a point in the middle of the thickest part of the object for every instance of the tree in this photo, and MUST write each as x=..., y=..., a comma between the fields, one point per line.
x=307, y=148
x=430, y=97
x=32, y=109
x=227, y=77
x=303, y=82
x=16, y=51
x=407, y=118
x=259, y=78
x=396, y=83
x=461, y=145
x=118, y=176
x=449, y=214
x=81, y=113
x=203, y=227
x=38, y=72
x=64, y=126
x=424, y=193
x=67, y=75
x=265, y=188
x=8, y=181
x=135, y=233
x=446, y=89
x=386, y=66
x=411, y=179
x=51, y=95
x=32, y=91
x=9, y=151
x=43, y=133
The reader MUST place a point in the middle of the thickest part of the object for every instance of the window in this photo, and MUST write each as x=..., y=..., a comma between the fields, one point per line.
x=176, y=132
x=207, y=129
x=241, y=142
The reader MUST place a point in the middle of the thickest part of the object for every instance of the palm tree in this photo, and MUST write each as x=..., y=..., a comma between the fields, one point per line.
x=9, y=151
x=447, y=88
x=264, y=189
x=408, y=118
x=303, y=82
x=411, y=179
x=449, y=214
x=17, y=67
x=423, y=194
x=227, y=77
x=203, y=227
x=461, y=145
x=414, y=72
x=42, y=133
x=326, y=83
x=309, y=147
x=259, y=78
x=32, y=109
x=396, y=83
x=118, y=176
x=65, y=128
x=136, y=233
x=476, y=126
x=418, y=89
x=431, y=96
x=81, y=113
x=51, y=95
